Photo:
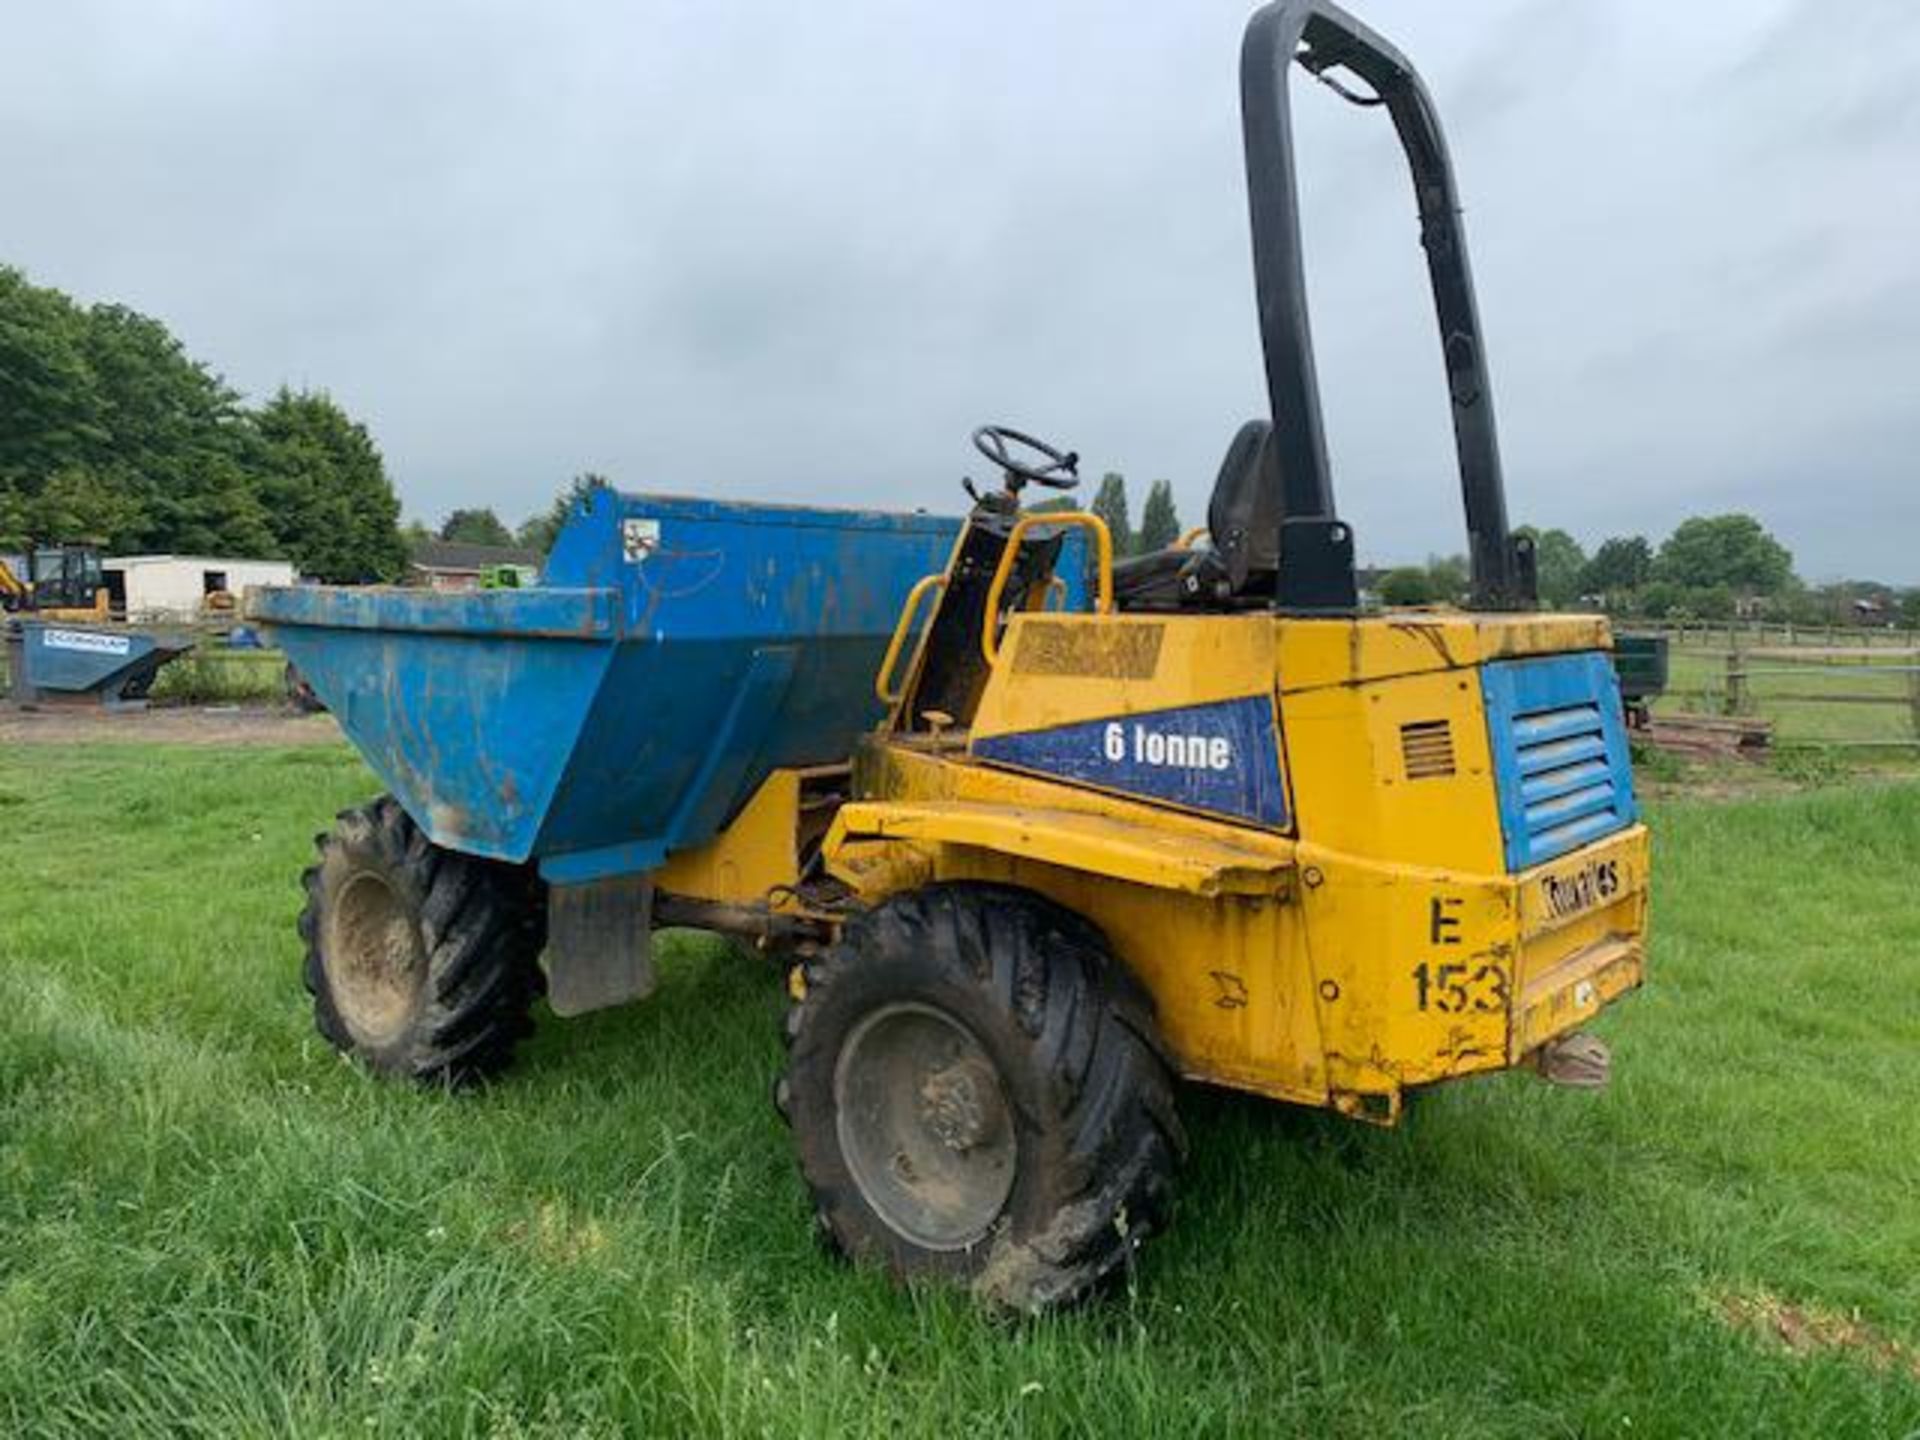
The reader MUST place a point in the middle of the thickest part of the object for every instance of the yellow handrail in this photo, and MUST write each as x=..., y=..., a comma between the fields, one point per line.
x=1103, y=545
x=900, y=630
x=1186, y=541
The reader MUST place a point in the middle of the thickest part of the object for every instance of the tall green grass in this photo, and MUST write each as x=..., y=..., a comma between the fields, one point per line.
x=211, y=674
x=210, y=1225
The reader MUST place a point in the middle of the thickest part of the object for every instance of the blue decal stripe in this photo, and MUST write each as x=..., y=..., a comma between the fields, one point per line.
x=1223, y=758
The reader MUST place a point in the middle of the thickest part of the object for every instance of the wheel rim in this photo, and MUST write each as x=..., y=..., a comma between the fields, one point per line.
x=375, y=960
x=924, y=1125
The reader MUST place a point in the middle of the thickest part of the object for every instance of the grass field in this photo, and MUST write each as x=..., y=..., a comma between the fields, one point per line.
x=210, y=1225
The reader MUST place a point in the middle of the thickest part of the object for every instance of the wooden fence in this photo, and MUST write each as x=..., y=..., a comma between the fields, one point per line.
x=1737, y=634
x=1874, y=690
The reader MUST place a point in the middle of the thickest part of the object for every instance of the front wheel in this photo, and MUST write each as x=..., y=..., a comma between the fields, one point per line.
x=422, y=962
x=977, y=1094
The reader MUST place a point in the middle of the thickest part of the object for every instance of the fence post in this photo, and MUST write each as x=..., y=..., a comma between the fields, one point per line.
x=1913, y=692
x=1736, y=698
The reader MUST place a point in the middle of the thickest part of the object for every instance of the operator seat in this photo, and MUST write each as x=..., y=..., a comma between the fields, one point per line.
x=1243, y=521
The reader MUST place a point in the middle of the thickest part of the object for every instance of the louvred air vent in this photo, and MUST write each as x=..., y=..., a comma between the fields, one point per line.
x=1426, y=748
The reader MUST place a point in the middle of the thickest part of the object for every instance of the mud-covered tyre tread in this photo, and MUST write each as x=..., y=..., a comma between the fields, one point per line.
x=483, y=925
x=1074, y=1034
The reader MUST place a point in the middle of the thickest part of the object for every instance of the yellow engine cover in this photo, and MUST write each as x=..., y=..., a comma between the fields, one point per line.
x=1292, y=830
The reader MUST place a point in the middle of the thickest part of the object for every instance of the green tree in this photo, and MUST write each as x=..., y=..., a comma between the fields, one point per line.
x=1910, y=609
x=111, y=427
x=1057, y=505
x=475, y=527
x=1712, y=602
x=76, y=504
x=1159, y=520
x=1622, y=563
x=14, y=530
x=50, y=406
x=1447, y=579
x=1797, y=605
x=537, y=532
x=1661, y=599
x=1559, y=562
x=1409, y=585
x=110, y=431
x=1734, y=551
x=326, y=491
x=1110, y=504
x=175, y=442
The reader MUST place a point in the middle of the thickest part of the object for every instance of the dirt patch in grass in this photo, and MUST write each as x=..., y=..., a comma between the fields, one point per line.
x=557, y=1236
x=1812, y=1330
x=166, y=725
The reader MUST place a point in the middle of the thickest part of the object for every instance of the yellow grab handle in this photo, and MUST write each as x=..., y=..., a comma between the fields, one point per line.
x=901, y=628
x=1103, y=545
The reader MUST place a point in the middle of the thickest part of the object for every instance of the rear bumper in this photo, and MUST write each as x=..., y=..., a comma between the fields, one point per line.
x=1583, y=926
x=1574, y=991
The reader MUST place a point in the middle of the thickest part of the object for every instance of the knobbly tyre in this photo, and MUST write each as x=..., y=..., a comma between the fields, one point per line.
x=1041, y=834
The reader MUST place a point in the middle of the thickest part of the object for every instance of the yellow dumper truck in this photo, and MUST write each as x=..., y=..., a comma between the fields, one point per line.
x=1040, y=833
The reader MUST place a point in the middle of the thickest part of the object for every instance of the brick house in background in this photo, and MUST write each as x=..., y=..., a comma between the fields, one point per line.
x=451, y=565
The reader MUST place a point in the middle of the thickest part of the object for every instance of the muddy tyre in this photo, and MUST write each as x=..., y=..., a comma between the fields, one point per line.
x=421, y=962
x=977, y=1094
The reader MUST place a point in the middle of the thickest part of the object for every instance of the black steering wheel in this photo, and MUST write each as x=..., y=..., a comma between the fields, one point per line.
x=1061, y=470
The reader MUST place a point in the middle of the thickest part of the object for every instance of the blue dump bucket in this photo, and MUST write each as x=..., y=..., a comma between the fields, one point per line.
x=54, y=661
x=675, y=652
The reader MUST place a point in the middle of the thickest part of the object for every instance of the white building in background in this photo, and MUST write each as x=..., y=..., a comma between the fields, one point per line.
x=159, y=587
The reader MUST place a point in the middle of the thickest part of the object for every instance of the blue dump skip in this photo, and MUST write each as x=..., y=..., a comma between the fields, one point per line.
x=675, y=652
x=64, y=661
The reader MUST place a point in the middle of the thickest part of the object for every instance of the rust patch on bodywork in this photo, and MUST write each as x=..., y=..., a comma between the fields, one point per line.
x=1107, y=652
x=1434, y=635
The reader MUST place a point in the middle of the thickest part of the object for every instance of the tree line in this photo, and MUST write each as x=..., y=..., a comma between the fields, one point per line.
x=483, y=526
x=1159, y=520
x=1712, y=567
x=114, y=435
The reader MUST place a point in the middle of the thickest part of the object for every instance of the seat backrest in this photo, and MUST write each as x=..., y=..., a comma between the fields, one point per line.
x=1244, y=513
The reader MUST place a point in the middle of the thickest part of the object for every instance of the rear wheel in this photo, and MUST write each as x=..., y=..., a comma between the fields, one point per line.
x=421, y=961
x=976, y=1093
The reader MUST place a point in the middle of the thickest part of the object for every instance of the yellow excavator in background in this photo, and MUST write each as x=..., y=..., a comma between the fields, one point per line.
x=56, y=582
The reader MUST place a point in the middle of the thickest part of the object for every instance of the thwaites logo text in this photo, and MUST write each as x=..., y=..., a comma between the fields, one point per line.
x=1594, y=883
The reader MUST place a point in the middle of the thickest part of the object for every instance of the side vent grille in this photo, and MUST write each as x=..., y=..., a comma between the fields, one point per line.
x=1559, y=749
x=1426, y=749
x=1567, y=787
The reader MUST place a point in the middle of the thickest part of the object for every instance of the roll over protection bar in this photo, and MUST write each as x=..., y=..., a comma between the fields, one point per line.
x=1316, y=548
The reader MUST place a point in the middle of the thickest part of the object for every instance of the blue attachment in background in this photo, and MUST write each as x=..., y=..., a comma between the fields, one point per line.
x=111, y=664
x=675, y=652
x=1223, y=758
x=1561, y=762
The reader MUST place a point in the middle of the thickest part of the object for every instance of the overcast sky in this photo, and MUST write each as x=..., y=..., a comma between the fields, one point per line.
x=796, y=252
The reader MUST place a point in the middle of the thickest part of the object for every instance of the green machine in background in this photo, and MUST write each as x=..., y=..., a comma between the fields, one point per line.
x=1642, y=664
x=508, y=577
